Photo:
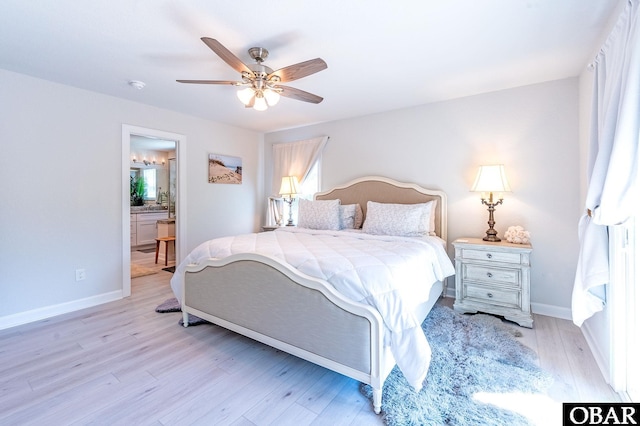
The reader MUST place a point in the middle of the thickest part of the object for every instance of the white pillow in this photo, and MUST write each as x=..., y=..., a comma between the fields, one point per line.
x=404, y=220
x=320, y=214
x=350, y=216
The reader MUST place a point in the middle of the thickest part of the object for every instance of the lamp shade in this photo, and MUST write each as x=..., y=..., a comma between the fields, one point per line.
x=491, y=179
x=289, y=186
x=272, y=97
x=260, y=103
x=245, y=95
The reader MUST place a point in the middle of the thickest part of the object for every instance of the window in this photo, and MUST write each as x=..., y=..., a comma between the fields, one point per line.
x=149, y=176
x=299, y=159
x=308, y=188
x=311, y=184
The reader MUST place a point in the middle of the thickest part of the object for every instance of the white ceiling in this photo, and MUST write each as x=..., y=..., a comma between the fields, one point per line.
x=382, y=54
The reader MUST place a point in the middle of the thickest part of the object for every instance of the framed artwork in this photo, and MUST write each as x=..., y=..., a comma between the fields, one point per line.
x=225, y=169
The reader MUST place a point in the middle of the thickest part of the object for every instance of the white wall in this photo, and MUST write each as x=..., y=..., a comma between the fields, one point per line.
x=533, y=130
x=61, y=175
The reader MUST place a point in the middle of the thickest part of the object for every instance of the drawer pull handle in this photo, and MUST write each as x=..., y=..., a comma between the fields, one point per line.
x=489, y=295
x=489, y=274
x=489, y=256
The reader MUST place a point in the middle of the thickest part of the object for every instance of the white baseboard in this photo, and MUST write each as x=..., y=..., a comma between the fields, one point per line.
x=551, y=311
x=54, y=310
x=596, y=351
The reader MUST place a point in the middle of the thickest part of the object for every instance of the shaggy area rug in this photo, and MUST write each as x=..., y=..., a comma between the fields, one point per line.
x=140, y=271
x=472, y=356
x=172, y=305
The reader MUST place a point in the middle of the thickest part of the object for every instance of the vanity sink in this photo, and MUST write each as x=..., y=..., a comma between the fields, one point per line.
x=144, y=209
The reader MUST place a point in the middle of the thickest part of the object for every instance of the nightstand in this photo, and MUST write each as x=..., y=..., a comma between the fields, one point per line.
x=493, y=278
x=266, y=228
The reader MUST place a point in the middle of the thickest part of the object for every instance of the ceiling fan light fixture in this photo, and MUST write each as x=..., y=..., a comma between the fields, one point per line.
x=245, y=95
x=261, y=83
x=271, y=96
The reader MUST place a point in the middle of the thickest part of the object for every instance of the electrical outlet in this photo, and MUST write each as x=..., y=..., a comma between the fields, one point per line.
x=81, y=274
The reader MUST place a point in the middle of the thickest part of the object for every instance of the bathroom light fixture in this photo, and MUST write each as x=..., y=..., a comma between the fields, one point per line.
x=145, y=161
x=491, y=179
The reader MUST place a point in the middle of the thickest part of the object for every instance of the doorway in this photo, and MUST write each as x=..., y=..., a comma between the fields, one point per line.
x=173, y=197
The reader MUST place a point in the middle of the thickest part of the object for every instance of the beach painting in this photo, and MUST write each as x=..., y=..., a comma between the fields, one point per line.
x=225, y=169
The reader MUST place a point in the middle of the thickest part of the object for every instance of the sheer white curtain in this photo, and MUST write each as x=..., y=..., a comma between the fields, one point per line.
x=612, y=194
x=295, y=159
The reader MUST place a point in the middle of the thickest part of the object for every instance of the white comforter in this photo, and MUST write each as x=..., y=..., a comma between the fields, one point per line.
x=392, y=274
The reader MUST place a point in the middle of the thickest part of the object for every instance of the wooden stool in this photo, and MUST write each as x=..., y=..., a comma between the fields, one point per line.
x=166, y=247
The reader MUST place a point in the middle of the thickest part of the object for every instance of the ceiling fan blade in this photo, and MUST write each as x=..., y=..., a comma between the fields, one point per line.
x=299, y=95
x=302, y=69
x=226, y=55
x=233, y=83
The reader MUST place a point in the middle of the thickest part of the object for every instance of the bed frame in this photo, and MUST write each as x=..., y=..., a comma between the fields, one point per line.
x=303, y=315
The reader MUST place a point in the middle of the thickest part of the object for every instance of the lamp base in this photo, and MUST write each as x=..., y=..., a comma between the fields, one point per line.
x=492, y=236
x=290, y=202
x=492, y=239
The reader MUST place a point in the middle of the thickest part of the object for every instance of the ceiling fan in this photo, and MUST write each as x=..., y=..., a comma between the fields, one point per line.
x=261, y=84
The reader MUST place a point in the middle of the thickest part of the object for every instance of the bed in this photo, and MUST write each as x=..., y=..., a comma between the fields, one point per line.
x=291, y=288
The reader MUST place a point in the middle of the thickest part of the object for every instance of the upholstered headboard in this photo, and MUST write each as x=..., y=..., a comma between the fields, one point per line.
x=385, y=190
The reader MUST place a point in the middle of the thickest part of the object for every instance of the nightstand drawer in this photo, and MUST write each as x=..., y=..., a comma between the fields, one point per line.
x=493, y=296
x=487, y=274
x=489, y=255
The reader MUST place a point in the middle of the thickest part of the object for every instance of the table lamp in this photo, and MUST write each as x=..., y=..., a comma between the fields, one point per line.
x=289, y=188
x=491, y=179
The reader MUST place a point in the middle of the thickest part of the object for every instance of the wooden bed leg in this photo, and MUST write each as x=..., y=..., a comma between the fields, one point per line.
x=185, y=319
x=377, y=400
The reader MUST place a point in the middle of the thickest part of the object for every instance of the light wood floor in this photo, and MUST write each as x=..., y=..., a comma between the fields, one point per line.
x=123, y=363
x=146, y=257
